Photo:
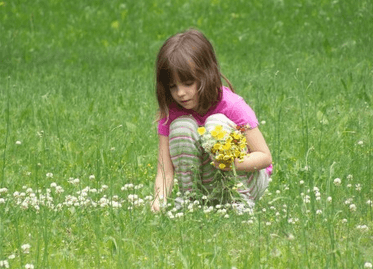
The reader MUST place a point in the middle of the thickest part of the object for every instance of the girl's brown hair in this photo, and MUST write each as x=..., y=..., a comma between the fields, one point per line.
x=188, y=56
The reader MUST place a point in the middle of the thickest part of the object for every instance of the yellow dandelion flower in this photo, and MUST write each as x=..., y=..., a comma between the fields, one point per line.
x=227, y=146
x=214, y=133
x=201, y=130
x=221, y=135
x=236, y=135
x=218, y=128
x=217, y=146
x=220, y=157
x=221, y=165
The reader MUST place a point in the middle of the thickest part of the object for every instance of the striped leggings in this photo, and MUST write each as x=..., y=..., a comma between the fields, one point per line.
x=192, y=163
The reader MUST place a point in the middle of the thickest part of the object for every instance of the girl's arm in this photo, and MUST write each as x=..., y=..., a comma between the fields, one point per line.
x=260, y=156
x=165, y=174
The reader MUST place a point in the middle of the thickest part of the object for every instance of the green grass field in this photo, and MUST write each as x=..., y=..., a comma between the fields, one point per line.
x=77, y=111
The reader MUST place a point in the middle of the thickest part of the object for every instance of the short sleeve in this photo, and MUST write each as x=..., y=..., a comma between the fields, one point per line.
x=163, y=127
x=242, y=114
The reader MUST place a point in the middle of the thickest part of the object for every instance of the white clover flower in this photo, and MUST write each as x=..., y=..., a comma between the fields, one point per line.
x=204, y=197
x=3, y=190
x=4, y=264
x=263, y=122
x=104, y=187
x=344, y=221
x=179, y=215
x=278, y=192
x=11, y=257
x=26, y=248
x=264, y=210
x=92, y=177
x=178, y=194
x=29, y=266
x=337, y=181
x=139, y=186
x=353, y=207
x=349, y=177
x=349, y=185
x=369, y=202
x=268, y=223
x=360, y=143
x=53, y=185
x=18, y=142
x=50, y=175
x=250, y=221
x=59, y=189
x=2, y=201
x=187, y=193
x=358, y=187
x=318, y=212
x=368, y=265
x=226, y=216
x=362, y=228
x=329, y=199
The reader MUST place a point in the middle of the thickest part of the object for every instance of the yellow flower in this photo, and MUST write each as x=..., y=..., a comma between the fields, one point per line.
x=214, y=133
x=220, y=157
x=227, y=146
x=218, y=128
x=201, y=130
x=221, y=165
x=221, y=135
x=217, y=146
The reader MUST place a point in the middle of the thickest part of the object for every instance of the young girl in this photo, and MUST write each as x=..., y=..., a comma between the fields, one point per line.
x=191, y=94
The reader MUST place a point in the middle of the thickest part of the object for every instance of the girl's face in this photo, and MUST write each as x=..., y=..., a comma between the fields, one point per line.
x=185, y=94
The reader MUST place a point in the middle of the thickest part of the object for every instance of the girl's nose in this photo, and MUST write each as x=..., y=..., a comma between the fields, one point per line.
x=180, y=90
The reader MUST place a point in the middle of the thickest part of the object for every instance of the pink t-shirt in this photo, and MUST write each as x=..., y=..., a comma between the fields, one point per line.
x=231, y=105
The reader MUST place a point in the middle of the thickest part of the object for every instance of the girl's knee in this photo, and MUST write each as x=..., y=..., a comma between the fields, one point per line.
x=219, y=119
x=185, y=122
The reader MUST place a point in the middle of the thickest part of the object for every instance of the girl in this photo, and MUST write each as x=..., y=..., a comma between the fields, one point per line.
x=190, y=94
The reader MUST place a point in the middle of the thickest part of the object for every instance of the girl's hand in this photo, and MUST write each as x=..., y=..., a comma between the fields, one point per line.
x=156, y=205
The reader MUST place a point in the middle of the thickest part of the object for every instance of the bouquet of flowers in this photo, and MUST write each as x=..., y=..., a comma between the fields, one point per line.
x=224, y=147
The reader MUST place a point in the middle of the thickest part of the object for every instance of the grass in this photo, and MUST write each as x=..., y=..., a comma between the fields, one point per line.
x=77, y=91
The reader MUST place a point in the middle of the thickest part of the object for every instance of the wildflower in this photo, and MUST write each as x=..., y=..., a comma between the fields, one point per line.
x=368, y=265
x=59, y=189
x=29, y=266
x=344, y=221
x=92, y=177
x=50, y=175
x=318, y=212
x=358, y=187
x=360, y=143
x=53, y=185
x=4, y=264
x=362, y=228
x=278, y=192
x=349, y=177
x=18, y=142
x=179, y=215
x=104, y=187
x=2, y=201
x=263, y=122
x=204, y=197
x=226, y=216
x=26, y=248
x=337, y=181
x=11, y=257
x=201, y=130
x=369, y=202
x=349, y=185
x=329, y=199
x=268, y=223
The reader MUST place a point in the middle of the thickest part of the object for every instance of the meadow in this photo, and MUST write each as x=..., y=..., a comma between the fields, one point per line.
x=78, y=141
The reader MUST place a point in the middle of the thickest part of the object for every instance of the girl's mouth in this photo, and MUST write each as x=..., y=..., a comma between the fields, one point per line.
x=185, y=101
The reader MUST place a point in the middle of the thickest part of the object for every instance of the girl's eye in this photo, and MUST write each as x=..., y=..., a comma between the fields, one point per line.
x=189, y=83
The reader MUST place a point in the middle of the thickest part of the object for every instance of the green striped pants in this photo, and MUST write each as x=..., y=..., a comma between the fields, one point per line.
x=192, y=164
